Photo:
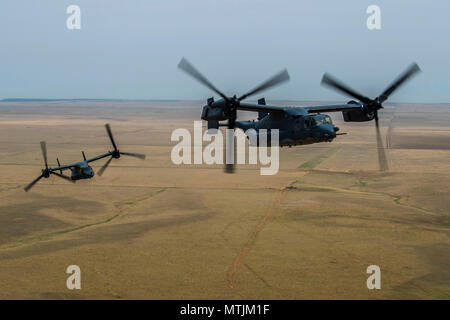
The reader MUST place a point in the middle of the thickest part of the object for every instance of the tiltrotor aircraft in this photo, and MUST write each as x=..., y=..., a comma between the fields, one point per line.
x=82, y=169
x=297, y=125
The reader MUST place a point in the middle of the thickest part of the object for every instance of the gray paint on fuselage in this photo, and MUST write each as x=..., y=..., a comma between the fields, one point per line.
x=293, y=127
x=81, y=170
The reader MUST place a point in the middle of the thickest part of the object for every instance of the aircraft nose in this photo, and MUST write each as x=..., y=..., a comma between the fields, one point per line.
x=329, y=131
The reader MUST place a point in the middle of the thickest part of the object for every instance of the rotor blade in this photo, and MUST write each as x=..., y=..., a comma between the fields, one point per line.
x=108, y=129
x=102, y=169
x=382, y=160
x=229, y=168
x=408, y=73
x=332, y=82
x=230, y=147
x=44, y=153
x=62, y=176
x=277, y=79
x=28, y=187
x=190, y=69
x=136, y=155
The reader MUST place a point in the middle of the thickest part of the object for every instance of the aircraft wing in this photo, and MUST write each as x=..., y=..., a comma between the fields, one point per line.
x=68, y=166
x=333, y=108
x=259, y=107
x=108, y=154
x=62, y=168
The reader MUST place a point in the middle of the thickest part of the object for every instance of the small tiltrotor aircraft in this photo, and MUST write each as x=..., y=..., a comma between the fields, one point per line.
x=82, y=169
x=296, y=125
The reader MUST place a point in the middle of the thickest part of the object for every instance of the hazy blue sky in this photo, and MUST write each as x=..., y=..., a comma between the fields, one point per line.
x=130, y=49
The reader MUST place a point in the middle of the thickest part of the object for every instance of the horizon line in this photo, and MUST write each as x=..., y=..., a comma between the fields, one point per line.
x=178, y=100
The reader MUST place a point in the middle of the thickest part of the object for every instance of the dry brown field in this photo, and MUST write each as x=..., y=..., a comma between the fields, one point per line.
x=154, y=230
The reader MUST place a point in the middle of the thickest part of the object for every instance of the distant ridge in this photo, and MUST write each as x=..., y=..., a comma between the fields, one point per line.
x=50, y=100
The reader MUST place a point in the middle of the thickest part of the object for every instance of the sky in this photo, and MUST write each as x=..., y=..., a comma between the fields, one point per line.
x=130, y=49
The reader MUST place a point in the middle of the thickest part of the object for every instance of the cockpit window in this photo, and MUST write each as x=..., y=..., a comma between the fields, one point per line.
x=322, y=120
x=317, y=120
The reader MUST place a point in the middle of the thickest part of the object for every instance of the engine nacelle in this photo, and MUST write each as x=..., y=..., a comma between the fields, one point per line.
x=213, y=114
x=358, y=115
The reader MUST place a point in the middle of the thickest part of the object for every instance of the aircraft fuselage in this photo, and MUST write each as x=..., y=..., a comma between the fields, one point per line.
x=296, y=127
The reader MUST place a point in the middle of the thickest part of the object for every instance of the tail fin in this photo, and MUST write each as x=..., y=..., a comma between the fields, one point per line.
x=261, y=114
x=59, y=165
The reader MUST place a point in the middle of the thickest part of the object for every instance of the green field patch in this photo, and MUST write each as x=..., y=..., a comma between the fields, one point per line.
x=311, y=164
x=362, y=183
x=309, y=189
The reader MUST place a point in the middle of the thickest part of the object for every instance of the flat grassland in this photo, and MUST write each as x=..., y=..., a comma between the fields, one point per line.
x=153, y=230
